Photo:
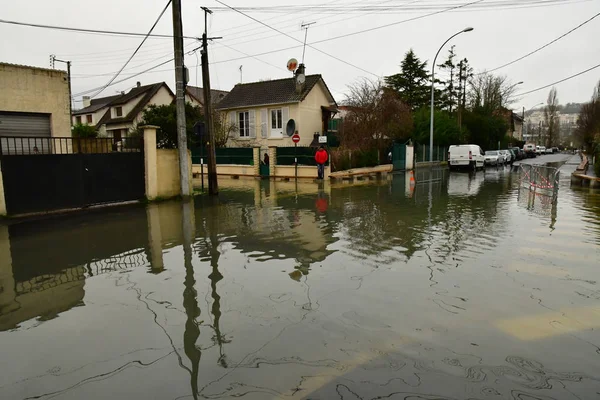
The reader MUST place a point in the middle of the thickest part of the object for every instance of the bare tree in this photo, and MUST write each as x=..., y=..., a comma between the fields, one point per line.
x=551, y=117
x=222, y=128
x=490, y=93
x=376, y=114
x=588, y=125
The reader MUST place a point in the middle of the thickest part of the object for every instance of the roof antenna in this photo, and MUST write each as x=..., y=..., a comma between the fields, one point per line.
x=305, y=27
x=241, y=76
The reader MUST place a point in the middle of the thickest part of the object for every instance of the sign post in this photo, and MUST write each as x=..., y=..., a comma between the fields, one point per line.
x=296, y=139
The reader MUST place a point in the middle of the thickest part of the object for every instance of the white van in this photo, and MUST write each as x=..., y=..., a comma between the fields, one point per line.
x=469, y=156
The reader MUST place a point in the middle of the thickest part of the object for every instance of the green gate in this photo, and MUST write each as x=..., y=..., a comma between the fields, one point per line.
x=399, y=156
x=264, y=170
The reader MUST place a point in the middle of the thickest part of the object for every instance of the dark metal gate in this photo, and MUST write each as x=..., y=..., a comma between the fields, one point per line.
x=399, y=156
x=69, y=172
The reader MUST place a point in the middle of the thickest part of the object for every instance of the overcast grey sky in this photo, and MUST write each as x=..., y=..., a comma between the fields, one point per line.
x=500, y=36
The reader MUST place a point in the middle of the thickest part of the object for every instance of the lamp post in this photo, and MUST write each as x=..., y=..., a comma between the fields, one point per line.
x=469, y=29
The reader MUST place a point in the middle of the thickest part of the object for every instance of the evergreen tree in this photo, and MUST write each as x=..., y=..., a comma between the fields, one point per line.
x=412, y=83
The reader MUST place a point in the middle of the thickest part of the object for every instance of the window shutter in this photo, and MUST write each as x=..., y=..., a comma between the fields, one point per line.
x=285, y=116
x=252, y=124
x=263, y=123
x=233, y=121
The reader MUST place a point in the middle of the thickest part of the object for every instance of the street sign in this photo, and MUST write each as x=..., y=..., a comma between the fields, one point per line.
x=296, y=138
x=322, y=139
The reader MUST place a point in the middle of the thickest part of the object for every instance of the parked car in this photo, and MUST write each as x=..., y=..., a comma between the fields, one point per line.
x=513, y=156
x=469, y=156
x=549, y=150
x=542, y=149
x=555, y=150
x=507, y=156
x=529, y=150
x=518, y=153
x=492, y=157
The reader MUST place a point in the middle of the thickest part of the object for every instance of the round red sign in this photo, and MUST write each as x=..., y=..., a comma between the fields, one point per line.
x=296, y=138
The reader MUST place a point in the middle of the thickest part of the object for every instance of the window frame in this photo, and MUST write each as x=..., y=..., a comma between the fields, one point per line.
x=78, y=120
x=88, y=118
x=119, y=111
x=243, y=119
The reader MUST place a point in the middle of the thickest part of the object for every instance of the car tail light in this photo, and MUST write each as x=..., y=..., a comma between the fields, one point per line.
x=448, y=155
x=470, y=155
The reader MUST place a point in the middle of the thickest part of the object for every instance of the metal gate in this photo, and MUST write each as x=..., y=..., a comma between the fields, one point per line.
x=399, y=156
x=73, y=173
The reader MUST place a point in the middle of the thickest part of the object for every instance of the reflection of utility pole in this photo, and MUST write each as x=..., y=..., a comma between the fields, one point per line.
x=190, y=301
x=215, y=276
x=213, y=185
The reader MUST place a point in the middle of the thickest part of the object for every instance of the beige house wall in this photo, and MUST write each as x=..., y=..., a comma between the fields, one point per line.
x=307, y=115
x=37, y=90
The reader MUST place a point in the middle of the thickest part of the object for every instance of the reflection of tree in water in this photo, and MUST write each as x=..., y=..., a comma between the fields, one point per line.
x=378, y=220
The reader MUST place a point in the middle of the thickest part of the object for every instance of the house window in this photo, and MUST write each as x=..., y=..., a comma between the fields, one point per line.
x=78, y=119
x=244, y=123
x=276, y=119
x=88, y=118
x=119, y=111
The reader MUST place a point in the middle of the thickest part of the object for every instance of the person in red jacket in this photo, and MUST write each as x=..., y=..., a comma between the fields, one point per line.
x=321, y=158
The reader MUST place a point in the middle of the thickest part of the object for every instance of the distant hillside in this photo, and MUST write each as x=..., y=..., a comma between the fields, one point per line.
x=571, y=108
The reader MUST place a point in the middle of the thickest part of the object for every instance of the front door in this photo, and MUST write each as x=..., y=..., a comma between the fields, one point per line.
x=276, y=123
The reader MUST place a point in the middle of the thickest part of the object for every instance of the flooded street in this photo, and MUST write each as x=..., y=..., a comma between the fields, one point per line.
x=461, y=287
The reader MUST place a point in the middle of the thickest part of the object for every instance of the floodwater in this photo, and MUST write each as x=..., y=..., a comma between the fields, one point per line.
x=461, y=287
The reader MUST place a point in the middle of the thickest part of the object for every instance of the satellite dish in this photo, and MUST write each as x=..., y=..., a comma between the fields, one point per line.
x=290, y=128
x=292, y=64
x=301, y=78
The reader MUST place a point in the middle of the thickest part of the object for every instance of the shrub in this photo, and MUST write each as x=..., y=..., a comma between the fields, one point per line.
x=84, y=131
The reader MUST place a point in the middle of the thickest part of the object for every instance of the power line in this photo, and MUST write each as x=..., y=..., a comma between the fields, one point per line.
x=136, y=50
x=124, y=79
x=543, y=47
x=396, y=8
x=557, y=82
x=297, y=40
x=92, y=31
x=137, y=74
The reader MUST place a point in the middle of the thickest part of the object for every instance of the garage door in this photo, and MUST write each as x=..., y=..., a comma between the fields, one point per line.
x=24, y=133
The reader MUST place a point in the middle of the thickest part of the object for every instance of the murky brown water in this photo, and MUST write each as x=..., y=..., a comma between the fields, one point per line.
x=465, y=287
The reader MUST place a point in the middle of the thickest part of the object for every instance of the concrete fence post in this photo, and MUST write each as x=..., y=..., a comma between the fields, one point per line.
x=150, y=161
x=2, y=198
x=256, y=160
x=272, y=160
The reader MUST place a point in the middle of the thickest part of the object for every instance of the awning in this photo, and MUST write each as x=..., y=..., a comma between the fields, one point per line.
x=332, y=109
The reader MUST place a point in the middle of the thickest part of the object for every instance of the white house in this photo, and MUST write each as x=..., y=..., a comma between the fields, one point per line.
x=116, y=116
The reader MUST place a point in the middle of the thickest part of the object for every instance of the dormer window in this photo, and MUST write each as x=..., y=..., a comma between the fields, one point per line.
x=119, y=111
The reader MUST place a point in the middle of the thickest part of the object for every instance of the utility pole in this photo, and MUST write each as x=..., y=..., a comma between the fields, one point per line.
x=180, y=99
x=52, y=60
x=213, y=184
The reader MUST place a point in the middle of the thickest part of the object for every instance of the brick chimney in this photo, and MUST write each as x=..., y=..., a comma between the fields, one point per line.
x=87, y=101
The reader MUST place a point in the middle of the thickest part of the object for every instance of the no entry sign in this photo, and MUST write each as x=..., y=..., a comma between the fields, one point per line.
x=296, y=138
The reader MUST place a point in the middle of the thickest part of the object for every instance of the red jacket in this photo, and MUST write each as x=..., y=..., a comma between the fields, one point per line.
x=321, y=157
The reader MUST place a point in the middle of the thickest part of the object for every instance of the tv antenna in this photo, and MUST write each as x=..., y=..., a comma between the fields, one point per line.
x=305, y=26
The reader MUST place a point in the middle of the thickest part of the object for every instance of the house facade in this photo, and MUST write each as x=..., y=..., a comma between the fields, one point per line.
x=258, y=112
x=33, y=102
x=116, y=116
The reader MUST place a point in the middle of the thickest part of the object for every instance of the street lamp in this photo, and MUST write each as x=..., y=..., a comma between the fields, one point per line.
x=469, y=29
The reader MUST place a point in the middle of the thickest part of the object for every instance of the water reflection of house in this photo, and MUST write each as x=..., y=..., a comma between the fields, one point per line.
x=254, y=223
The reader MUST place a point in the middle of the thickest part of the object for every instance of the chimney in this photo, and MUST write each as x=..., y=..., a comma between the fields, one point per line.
x=139, y=84
x=299, y=71
x=87, y=101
